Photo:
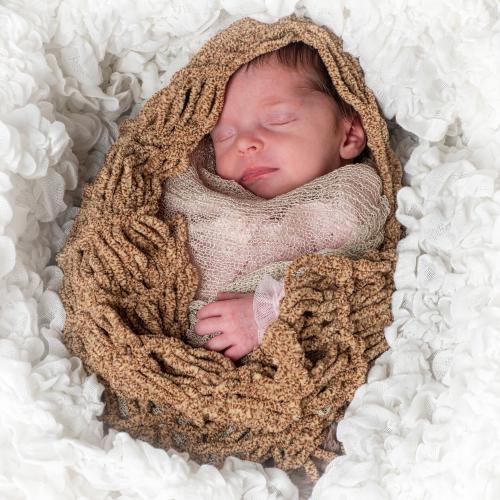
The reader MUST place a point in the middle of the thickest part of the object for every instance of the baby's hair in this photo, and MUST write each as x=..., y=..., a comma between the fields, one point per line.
x=299, y=55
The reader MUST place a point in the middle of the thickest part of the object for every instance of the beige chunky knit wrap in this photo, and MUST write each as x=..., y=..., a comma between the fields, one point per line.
x=129, y=281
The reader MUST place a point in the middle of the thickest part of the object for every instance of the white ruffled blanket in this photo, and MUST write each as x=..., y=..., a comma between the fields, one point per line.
x=426, y=425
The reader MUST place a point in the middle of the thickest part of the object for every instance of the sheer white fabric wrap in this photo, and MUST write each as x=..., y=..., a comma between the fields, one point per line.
x=236, y=238
x=266, y=303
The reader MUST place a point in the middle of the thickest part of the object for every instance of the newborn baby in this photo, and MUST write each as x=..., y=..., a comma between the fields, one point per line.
x=283, y=129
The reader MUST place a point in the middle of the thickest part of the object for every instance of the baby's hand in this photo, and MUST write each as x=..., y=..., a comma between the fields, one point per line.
x=231, y=314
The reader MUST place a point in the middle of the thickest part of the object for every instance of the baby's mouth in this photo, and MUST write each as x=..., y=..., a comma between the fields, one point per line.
x=254, y=173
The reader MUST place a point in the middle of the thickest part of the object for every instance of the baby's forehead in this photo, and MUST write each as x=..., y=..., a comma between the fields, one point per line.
x=273, y=66
x=255, y=90
x=278, y=82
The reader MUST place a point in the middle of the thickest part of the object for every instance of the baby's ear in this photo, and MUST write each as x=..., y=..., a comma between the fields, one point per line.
x=354, y=139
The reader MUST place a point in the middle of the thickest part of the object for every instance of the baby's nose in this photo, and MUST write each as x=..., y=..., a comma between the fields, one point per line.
x=249, y=143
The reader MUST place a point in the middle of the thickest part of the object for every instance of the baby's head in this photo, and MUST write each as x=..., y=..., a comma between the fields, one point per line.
x=283, y=123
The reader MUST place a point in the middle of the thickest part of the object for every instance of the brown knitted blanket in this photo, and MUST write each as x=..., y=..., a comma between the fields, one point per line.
x=129, y=281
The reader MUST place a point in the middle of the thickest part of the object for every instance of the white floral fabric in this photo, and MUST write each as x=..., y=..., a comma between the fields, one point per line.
x=426, y=424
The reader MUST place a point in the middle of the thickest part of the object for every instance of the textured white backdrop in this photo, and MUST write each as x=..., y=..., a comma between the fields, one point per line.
x=426, y=425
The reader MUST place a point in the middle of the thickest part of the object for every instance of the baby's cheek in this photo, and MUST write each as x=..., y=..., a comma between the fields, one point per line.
x=223, y=170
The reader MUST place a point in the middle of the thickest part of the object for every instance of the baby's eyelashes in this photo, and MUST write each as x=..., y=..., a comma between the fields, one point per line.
x=279, y=119
x=280, y=122
x=221, y=135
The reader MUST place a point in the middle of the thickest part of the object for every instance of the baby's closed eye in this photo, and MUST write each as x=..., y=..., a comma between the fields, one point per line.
x=279, y=118
x=222, y=134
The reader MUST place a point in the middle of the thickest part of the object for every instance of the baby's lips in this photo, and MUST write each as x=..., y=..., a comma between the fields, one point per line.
x=255, y=172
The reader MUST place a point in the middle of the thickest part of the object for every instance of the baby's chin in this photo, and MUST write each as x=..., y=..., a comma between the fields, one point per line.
x=267, y=191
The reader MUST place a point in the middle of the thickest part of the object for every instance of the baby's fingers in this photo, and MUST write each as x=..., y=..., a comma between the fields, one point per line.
x=236, y=352
x=208, y=325
x=218, y=343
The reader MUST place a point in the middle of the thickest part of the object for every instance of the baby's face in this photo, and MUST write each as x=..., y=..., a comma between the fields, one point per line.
x=274, y=133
